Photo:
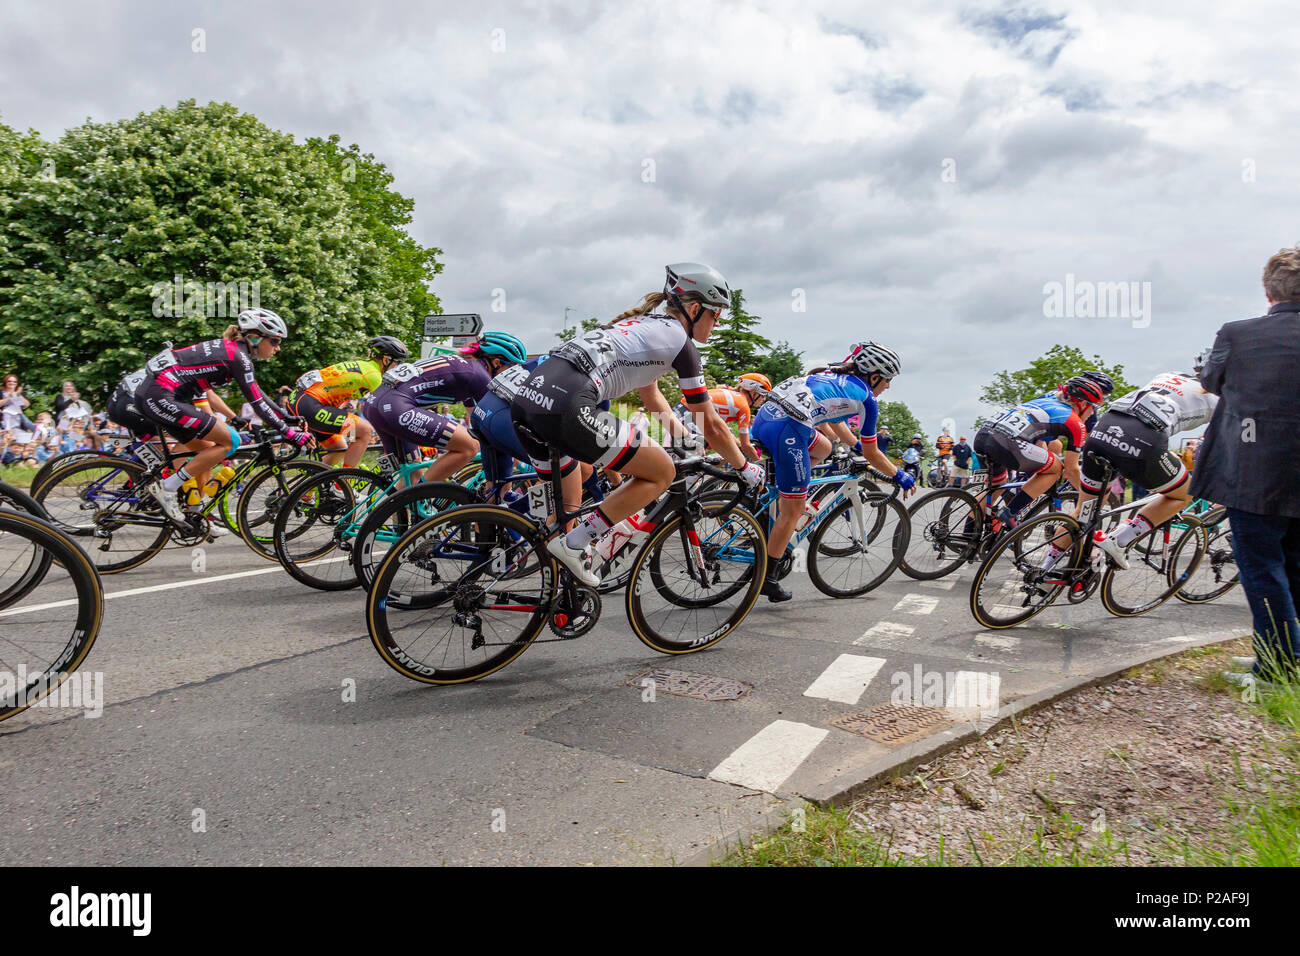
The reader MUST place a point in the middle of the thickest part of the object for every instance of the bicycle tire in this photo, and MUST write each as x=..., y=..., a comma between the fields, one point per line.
x=45, y=678
x=840, y=519
x=259, y=502
x=1120, y=603
x=462, y=527
x=674, y=532
x=58, y=463
x=1218, y=559
x=946, y=534
x=127, y=526
x=334, y=502
x=395, y=515
x=1007, y=569
x=38, y=562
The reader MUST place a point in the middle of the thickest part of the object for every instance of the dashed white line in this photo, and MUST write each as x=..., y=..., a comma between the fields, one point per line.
x=942, y=584
x=917, y=604
x=767, y=759
x=1001, y=642
x=846, y=678
x=887, y=633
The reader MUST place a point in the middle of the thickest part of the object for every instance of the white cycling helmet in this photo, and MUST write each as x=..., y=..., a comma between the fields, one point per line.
x=869, y=358
x=263, y=322
x=695, y=282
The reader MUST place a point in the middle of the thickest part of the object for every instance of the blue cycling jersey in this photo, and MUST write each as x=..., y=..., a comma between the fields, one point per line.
x=822, y=398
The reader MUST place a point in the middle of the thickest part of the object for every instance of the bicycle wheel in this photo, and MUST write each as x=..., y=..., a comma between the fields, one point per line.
x=58, y=463
x=19, y=500
x=48, y=627
x=260, y=498
x=16, y=581
x=681, y=598
x=847, y=560
x=947, y=526
x=101, y=501
x=390, y=519
x=449, y=605
x=320, y=515
x=1159, y=563
x=228, y=500
x=1216, y=575
x=1018, y=578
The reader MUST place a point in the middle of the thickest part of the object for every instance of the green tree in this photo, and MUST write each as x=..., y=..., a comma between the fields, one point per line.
x=781, y=362
x=734, y=347
x=567, y=334
x=902, y=425
x=121, y=236
x=1045, y=373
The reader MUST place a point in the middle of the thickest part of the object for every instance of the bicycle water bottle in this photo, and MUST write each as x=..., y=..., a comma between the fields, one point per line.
x=221, y=477
x=190, y=491
x=808, y=516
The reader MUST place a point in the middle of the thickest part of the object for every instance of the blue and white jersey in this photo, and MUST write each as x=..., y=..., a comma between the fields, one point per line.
x=822, y=398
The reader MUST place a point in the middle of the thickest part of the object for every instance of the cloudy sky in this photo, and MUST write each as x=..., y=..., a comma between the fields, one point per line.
x=914, y=173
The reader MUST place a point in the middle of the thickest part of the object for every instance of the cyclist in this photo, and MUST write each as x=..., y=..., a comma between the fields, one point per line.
x=175, y=378
x=912, y=460
x=557, y=407
x=318, y=397
x=943, y=446
x=1133, y=436
x=399, y=408
x=1012, y=441
x=787, y=423
x=733, y=404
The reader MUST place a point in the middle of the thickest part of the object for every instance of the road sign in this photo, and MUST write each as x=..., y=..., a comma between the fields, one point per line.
x=460, y=341
x=436, y=326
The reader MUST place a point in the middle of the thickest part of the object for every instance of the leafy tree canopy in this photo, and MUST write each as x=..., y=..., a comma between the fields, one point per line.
x=1061, y=362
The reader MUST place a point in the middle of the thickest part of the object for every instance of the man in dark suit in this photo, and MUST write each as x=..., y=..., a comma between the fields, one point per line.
x=1248, y=460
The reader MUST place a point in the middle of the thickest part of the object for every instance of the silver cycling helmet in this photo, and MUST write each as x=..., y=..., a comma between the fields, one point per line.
x=869, y=358
x=263, y=322
x=696, y=282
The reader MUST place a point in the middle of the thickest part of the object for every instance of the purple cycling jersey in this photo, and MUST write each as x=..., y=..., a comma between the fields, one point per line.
x=445, y=378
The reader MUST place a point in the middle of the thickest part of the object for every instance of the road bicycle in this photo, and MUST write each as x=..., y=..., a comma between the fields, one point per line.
x=465, y=592
x=1021, y=575
x=51, y=607
x=1216, y=575
x=106, y=501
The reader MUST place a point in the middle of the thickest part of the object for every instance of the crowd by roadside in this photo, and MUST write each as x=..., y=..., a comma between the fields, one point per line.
x=31, y=438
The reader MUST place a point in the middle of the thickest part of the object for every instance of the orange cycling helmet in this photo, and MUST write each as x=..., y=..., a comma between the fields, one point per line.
x=754, y=382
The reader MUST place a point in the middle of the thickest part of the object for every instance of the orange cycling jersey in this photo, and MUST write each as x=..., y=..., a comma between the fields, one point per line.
x=732, y=406
x=341, y=383
x=944, y=445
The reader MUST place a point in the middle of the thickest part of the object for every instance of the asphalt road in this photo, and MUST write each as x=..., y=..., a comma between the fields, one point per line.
x=247, y=720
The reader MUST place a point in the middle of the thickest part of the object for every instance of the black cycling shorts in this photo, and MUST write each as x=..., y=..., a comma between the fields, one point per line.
x=180, y=419
x=122, y=410
x=403, y=425
x=1139, y=452
x=558, y=410
x=1001, y=453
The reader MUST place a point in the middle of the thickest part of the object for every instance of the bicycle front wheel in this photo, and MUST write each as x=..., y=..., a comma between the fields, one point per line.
x=321, y=515
x=261, y=496
x=47, y=627
x=683, y=596
x=1216, y=575
x=1020, y=577
x=946, y=529
x=461, y=596
x=1159, y=563
x=392, y=517
x=850, y=555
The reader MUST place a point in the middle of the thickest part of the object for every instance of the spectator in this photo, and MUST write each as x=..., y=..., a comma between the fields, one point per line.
x=1247, y=462
x=249, y=414
x=66, y=396
x=882, y=439
x=12, y=402
x=45, y=438
x=961, y=456
x=74, y=424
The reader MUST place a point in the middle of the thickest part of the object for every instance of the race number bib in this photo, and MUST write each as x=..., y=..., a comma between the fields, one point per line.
x=795, y=398
x=401, y=373
x=540, y=500
x=308, y=379
x=507, y=384
x=1155, y=410
x=161, y=362
x=1013, y=424
x=591, y=352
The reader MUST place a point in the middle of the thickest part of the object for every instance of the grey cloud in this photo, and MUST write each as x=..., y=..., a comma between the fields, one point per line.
x=1034, y=35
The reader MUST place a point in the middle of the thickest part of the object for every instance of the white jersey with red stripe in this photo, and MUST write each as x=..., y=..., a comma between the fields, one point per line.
x=1174, y=400
x=637, y=352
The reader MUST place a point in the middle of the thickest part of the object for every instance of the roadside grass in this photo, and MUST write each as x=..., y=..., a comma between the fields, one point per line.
x=20, y=476
x=1262, y=806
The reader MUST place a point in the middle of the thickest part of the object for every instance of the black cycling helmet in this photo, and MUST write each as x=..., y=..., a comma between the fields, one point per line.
x=387, y=345
x=1102, y=379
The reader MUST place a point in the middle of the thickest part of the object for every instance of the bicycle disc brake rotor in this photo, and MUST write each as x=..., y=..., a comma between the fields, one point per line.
x=569, y=622
x=1083, y=588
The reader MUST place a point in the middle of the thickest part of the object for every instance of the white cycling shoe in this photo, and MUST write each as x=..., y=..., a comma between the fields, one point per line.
x=1112, y=548
x=574, y=559
x=167, y=501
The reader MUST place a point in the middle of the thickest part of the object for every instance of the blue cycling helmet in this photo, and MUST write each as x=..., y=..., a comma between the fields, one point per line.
x=503, y=345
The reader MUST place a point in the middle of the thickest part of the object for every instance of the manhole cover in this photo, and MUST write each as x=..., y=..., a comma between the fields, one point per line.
x=686, y=684
x=892, y=723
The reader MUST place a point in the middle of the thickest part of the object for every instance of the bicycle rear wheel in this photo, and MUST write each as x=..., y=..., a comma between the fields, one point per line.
x=1160, y=563
x=1018, y=578
x=947, y=526
x=682, y=597
x=1216, y=575
x=393, y=516
x=455, y=600
x=48, y=626
x=102, y=502
x=846, y=561
x=261, y=496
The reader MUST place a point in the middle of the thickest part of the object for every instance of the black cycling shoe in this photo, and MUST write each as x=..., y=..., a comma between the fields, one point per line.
x=772, y=589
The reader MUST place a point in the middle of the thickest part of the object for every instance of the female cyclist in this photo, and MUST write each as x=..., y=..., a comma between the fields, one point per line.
x=557, y=408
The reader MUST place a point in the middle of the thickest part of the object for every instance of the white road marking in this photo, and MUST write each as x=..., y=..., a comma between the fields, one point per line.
x=943, y=584
x=917, y=604
x=846, y=678
x=999, y=641
x=974, y=690
x=887, y=633
x=767, y=759
x=131, y=592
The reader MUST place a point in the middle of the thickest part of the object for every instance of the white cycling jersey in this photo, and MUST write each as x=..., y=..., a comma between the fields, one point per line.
x=637, y=352
x=1172, y=402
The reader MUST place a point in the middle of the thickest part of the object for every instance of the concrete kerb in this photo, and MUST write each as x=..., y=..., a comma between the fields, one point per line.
x=843, y=790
